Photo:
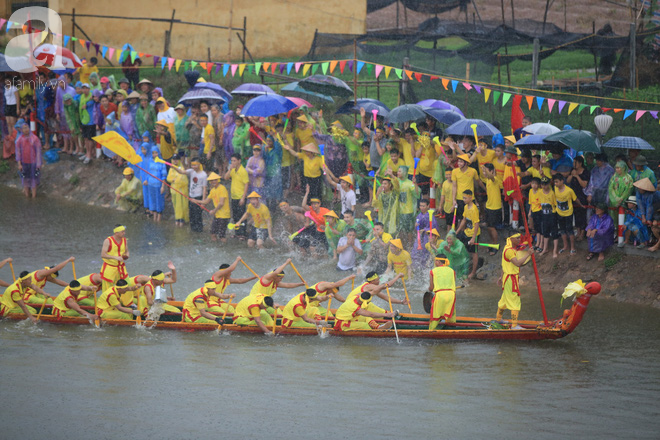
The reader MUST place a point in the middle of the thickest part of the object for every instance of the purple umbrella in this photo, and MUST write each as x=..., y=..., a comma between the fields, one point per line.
x=217, y=88
x=267, y=105
x=437, y=103
x=199, y=94
x=252, y=89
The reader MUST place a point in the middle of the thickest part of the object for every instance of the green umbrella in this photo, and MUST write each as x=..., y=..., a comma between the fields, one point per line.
x=579, y=140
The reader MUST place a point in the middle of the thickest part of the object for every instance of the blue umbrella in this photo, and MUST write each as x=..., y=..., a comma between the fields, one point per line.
x=196, y=94
x=217, y=88
x=295, y=90
x=464, y=128
x=444, y=116
x=368, y=104
x=267, y=105
x=252, y=89
x=532, y=141
x=443, y=105
x=405, y=113
x=628, y=143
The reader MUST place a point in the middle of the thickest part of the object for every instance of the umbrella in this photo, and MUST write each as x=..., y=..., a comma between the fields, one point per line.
x=326, y=85
x=252, y=89
x=368, y=104
x=267, y=105
x=443, y=105
x=405, y=113
x=444, y=116
x=628, y=143
x=533, y=141
x=57, y=58
x=299, y=102
x=541, y=128
x=295, y=89
x=200, y=94
x=15, y=64
x=579, y=140
x=464, y=128
x=216, y=88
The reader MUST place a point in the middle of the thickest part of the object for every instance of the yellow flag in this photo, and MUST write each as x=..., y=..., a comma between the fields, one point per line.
x=486, y=94
x=241, y=69
x=177, y=64
x=387, y=71
x=115, y=142
x=572, y=106
x=306, y=69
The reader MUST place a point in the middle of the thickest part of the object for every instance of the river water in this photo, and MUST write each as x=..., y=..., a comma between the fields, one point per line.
x=600, y=382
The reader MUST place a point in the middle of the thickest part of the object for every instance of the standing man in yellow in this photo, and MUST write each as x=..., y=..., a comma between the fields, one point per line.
x=262, y=224
x=463, y=178
x=220, y=212
x=239, y=191
x=66, y=304
x=179, y=181
x=443, y=285
x=114, y=253
x=512, y=259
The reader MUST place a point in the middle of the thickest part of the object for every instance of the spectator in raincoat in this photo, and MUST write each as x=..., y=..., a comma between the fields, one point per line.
x=387, y=204
x=155, y=186
x=619, y=189
x=597, y=190
x=145, y=117
x=181, y=132
x=272, y=154
x=71, y=118
x=459, y=258
x=28, y=156
x=179, y=182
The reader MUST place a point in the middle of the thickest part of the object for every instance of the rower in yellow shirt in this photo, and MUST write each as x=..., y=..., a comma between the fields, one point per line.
x=373, y=286
x=12, y=299
x=296, y=313
x=251, y=310
x=110, y=305
x=147, y=289
x=39, y=278
x=114, y=253
x=196, y=305
x=222, y=278
x=268, y=284
x=353, y=315
x=86, y=297
x=443, y=285
x=323, y=291
x=262, y=225
x=399, y=259
x=66, y=304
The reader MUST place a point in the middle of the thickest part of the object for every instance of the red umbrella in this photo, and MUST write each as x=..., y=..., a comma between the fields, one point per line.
x=299, y=102
x=57, y=57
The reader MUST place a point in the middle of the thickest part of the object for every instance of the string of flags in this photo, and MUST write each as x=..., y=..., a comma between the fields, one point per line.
x=307, y=68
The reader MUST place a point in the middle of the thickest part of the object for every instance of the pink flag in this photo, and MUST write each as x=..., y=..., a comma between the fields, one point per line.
x=379, y=69
x=233, y=69
x=551, y=103
x=467, y=85
x=170, y=63
x=639, y=114
x=298, y=66
x=111, y=52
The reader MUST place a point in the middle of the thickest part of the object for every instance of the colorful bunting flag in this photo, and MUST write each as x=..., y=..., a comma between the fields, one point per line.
x=539, y=102
x=496, y=96
x=505, y=98
x=581, y=107
x=399, y=73
x=654, y=114
x=66, y=41
x=486, y=94
x=257, y=68
x=177, y=64
x=627, y=113
x=477, y=88
x=592, y=108
x=640, y=113
x=217, y=68
x=454, y=84
x=300, y=64
x=186, y=65
x=170, y=63
x=104, y=50
x=209, y=67
x=193, y=64
x=133, y=55
x=324, y=68
x=225, y=69
x=408, y=73
x=234, y=68
x=370, y=69
x=360, y=65
x=333, y=65
x=265, y=66
x=418, y=77
x=315, y=67
x=467, y=85
x=388, y=69
x=163, y=61
x=572, y=106
x=342, y=66
x=530, y=100
x=2, y=22
x=273, y=66
x=306, y=69
x=241, y=69
x=551, y=103
x=289, y=66
x=350, y=65
x=445, y=83
x=379, y=69
x=560, y=106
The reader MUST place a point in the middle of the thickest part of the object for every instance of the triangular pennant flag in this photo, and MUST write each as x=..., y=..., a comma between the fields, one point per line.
x=315, y=67
x=170, y=63
x=409, y=73
x=156, y=60
x=96, y=46
x=111, y=52
x=399, y=73
x=24, y=28
x=333, y=64
x=418, y=77
x=2, y=22
x=225, y=69
x=496, y=96
x=273, y=66
x=177, y=64
x=88, y=44
x=467, y=85
x=617, y=110
x=133, y=56
x=628, y=113
x=560, y=106
x=8, y=26
x=202, y=65
x=477, y=88
x=388, y=69
x=289, y=66
x=592, y=108
x=360, y=65
x=350, y=65
x=581, y=107
x=218, y=67
x=324, y=68
x=193, y=64
x=505, y=98
x=300, y=64
x=654, y=114
x=250, y=68
x=281, y=67
x=234, y=67
x=433, y=77
x=74, y=39
x=306, y=69
x=530, y=100
x=342, y=66
x=241, y=69
x=486, y=94
x=104, y=50
x=605, y=109
x=639, y=114
x=209, y=67
x=140, y=54
x=163, y=61
x=66, y=41
x=551, y=103
x=539, y=101
x=370, y=69
x=379, y=69
x=572, y=106
x=445, y=83
x=454, y=84
x=186, y=65
x=265, y=66
x=257, y=68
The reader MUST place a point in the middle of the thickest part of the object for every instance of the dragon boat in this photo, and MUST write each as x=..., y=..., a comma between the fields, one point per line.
x=408, y=325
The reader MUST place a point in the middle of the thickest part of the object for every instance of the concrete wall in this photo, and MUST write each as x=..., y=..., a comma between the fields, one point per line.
x=275, y=28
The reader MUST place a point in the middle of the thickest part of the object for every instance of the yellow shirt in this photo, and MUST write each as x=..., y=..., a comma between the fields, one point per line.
x=534, y=199
x=444, y=278
x=548, y=202
x=177, y=181
x=196, y=301
x=348, y=310
x=448, y=206
x=85, y=71
x=406, y=154
x=384, y=236
x=287, y=158
x=12, y=295
x=366, y=160
x=494, y=194
x=295, y=308
x=209, y=138
x=499, y=167
x=545, y=171
x=249, y=307
x=400, y=263
x=508, y=268
x=305, y=136
x=485, y=158
x=565, y=201
x=60, y=301
x=216, y=195
x=109, y=300
x=471, y=216
x=259, y=288
x=260, y=215
x=393, y=166
x=87, y=281
x=239, y=179
x=311, y=167
x=426, y=165
x=464, y=180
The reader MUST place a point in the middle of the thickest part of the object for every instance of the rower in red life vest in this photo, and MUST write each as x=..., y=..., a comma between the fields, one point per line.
x=443, y=285
x=66, y=304
x=12, y=299
x=39, y=278
x=296, y=314
x=512, y=259
x=146, y=293
x=114, y=253
x=223, y=279
x=354, y=315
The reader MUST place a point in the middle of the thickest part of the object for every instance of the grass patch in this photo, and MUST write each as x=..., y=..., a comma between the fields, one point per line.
x=613, y=260
x=74, y=180
x=4, y=166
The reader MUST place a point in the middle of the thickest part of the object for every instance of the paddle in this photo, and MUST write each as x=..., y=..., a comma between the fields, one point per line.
x=42, y=307
x=298, y=273
x=405, y=289
x=138, y=318
x=327, y=314
x=389, y=299
x=13, y=275
x=274, y=319
x=172, y=291
x=225, y=313
x=249, y=268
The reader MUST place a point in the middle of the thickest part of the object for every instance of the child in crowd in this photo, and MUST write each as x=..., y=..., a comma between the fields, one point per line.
x=548, y=213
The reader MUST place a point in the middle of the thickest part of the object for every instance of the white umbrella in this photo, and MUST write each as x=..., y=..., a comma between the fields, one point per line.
x=541, y=128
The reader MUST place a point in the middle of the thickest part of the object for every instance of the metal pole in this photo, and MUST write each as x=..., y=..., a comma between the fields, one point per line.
x=513, y=16
x=535, y=63
x=633, y=55
x=508, y=67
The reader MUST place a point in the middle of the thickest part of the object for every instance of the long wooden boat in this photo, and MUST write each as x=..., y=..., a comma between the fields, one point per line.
x=408, y=326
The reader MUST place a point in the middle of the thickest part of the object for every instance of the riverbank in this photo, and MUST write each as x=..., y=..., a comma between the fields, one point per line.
x=627, y=275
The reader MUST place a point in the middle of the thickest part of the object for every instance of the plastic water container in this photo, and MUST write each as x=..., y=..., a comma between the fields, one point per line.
x=160, y=295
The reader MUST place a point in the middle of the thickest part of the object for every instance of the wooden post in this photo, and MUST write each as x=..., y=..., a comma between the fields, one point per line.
x=508, y=67
x=403, y=83
x=503, y=20
x=578, y=81
x=231, y=16
x=633, y=55
x=535, y=63
x=244, y=37
x=513, y=16
x=355, y=94
x=467, y=71
x=593, y=31
x=397, y=14
x=553, y=82
x=499, y=70
x=73, y=30
x=564, y=15
x=168, y=35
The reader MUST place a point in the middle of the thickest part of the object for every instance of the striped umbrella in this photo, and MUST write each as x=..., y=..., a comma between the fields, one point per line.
x=628, y=143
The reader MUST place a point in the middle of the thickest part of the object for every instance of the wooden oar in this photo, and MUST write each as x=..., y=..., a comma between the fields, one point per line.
x=406, y=291
x=138, y=318
x=389, y=299
x=225, y=313
x=327, y=314
x=13, y=275
x=42, y=307
x=249, y=268
x=296, y=270
x=274, y=319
